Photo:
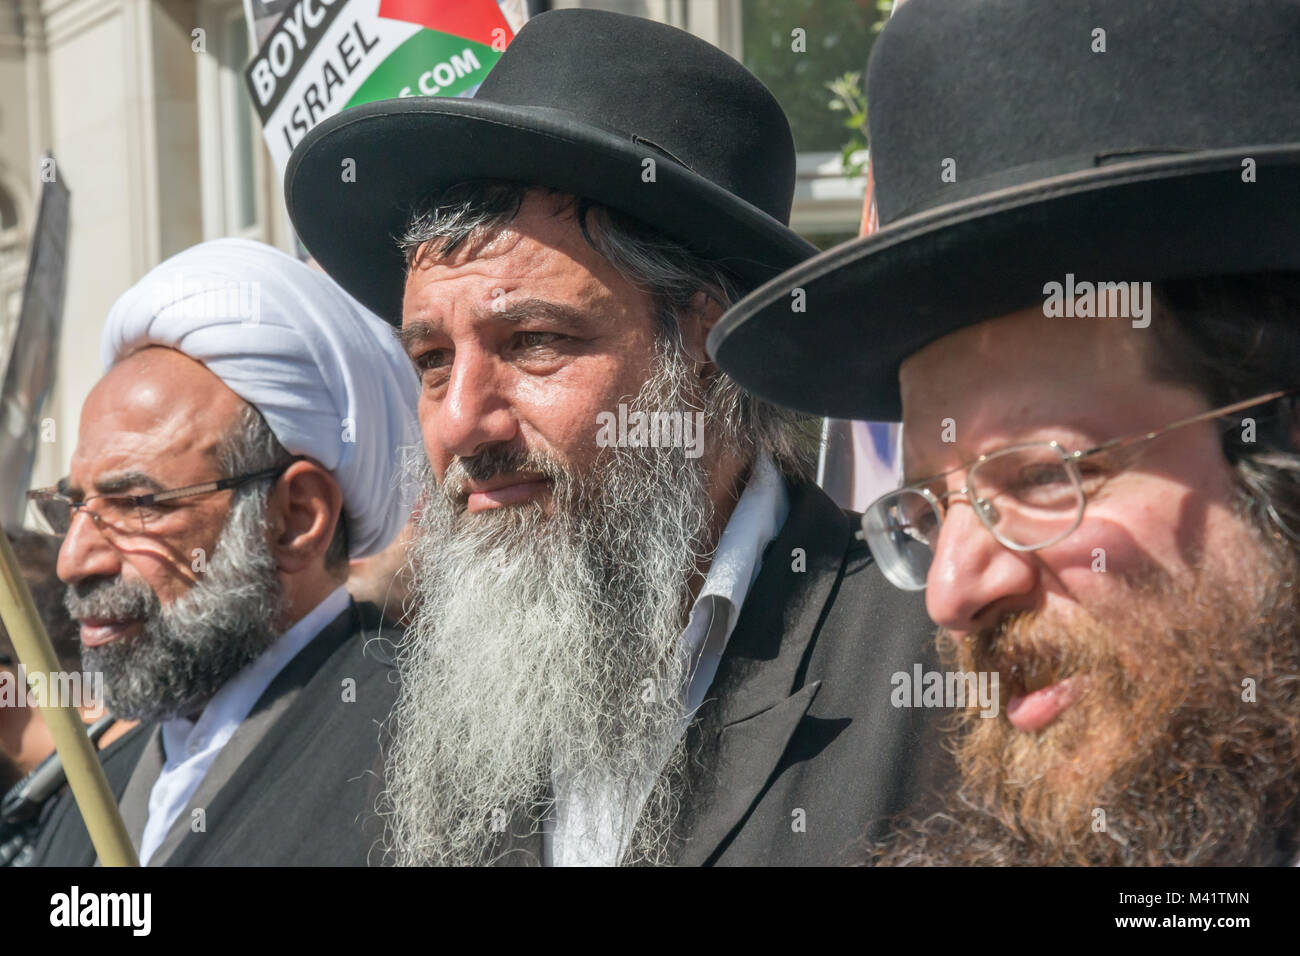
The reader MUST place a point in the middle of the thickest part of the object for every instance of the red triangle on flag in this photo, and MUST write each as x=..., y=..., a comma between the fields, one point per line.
x=472, y=19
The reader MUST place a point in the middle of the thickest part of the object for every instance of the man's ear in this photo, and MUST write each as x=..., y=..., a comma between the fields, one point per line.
x=301, y=513
x=700, y=318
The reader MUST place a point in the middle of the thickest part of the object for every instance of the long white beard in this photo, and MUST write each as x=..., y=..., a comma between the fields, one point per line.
x=548, y=644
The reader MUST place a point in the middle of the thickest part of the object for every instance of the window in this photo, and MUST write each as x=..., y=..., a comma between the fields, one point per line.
x=232, y=162
x=837, y=37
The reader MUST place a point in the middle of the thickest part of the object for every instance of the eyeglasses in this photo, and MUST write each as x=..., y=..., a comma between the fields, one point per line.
x=1028, y=496
x=128, y=514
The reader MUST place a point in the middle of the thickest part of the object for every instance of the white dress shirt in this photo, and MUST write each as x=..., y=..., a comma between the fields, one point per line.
x=594, y=818
x=191, y=746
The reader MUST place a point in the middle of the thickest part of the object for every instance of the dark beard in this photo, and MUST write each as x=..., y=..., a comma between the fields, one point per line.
x=1160, y=761
x=188, y=649
x=547, y=643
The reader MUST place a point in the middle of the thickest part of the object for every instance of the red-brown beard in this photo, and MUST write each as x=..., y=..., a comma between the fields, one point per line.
x=1161, y=759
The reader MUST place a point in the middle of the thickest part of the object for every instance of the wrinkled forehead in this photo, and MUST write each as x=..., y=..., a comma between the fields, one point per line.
x=541, y=242
x=541, y=223
x=540, y=265
x=1026, y=376
x=157, y=412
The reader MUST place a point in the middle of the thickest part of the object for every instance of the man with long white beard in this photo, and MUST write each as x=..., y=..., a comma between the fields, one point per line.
x=1091, y=341
x=242, y=444
x=643, y=632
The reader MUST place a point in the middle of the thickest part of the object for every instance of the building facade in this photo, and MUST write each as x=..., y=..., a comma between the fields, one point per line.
x=143, y=106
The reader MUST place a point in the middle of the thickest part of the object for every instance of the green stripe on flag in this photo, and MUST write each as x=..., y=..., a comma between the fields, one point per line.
x=428, y=64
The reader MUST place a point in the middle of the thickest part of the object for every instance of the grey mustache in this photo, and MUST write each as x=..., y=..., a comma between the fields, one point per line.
x=487, y=465
x=115, y=599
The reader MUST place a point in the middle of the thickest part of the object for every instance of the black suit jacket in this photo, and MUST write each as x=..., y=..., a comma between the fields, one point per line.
x=304, y=794
x=799, y=754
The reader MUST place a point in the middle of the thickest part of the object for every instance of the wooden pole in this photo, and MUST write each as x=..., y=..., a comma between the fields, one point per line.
x=80, y=761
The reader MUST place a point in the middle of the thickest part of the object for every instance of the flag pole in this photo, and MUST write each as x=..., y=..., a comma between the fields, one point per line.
x=80, y=762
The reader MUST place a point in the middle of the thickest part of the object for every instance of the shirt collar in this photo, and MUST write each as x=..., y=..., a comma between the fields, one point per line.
x=758, y=515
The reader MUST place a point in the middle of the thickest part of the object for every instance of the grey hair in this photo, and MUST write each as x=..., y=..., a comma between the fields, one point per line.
x=665, y=270
x=1232, y=338
x=251, y=446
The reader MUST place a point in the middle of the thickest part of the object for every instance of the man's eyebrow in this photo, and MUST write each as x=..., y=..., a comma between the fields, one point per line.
x=568, y=316
x=114, y=484
x=913, y=476
x=524, y=309
x=413, y=334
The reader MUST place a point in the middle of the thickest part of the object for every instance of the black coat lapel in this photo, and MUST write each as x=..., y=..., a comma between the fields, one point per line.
x=242, y=758
x=756, y=700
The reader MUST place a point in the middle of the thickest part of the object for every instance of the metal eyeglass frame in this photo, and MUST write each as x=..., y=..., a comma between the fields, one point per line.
x=76, y=506
x=1069, y=458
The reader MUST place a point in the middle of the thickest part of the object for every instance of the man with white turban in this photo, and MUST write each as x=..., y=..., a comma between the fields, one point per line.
x=243, y=444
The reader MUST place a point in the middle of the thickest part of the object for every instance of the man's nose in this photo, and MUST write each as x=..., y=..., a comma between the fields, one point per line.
x=475, y=411
x=85, y=553
x=972, y=570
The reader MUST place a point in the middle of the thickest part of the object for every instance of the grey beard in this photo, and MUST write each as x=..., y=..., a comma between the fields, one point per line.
x=190, y=648
x=547, y=644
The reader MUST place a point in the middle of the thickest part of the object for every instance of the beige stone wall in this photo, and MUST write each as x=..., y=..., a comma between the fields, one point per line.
x=116, y=89
x=122, y=121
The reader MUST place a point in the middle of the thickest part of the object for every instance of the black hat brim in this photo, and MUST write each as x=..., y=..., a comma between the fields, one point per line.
x=405, y=149
x=870, y=303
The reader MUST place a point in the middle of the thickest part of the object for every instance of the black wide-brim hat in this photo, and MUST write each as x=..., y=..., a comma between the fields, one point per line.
x=1173, y=153
x=578, y=102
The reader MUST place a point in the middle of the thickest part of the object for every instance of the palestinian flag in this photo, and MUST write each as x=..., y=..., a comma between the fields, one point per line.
x=324, y=56
x=453, y=32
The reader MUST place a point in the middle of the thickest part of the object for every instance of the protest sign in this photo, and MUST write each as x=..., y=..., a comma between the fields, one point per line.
x=323, y=56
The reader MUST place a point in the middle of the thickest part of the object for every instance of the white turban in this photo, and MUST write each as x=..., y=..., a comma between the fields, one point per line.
x=327, y=375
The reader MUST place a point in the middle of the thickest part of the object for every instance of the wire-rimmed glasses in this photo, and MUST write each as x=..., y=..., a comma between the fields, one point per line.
x=1029, y=496
x=128, y=514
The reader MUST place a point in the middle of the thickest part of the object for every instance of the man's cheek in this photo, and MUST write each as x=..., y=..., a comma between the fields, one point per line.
x=170, y=567
x=567, y=435
x=170, y=590
x=439, y=464
x=1103, y=546
x=427, y=411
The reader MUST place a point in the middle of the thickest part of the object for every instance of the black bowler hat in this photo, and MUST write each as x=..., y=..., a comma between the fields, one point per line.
x=1131, y=164
x=577, y=102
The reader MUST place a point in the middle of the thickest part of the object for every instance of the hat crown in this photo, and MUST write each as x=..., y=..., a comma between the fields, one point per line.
x=1034, y=93
x=678, y=96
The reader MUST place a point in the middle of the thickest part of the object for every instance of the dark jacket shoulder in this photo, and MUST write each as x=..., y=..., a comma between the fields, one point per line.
x=64, y=840
x=803, y=718
x=305, y=793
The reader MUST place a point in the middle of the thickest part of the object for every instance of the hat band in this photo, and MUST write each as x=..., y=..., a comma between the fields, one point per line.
x=1023, y=175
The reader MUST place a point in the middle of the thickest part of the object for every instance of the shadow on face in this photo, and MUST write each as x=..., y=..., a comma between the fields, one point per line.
x=524, y=340
x=1080, y=382
x=152, y=423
